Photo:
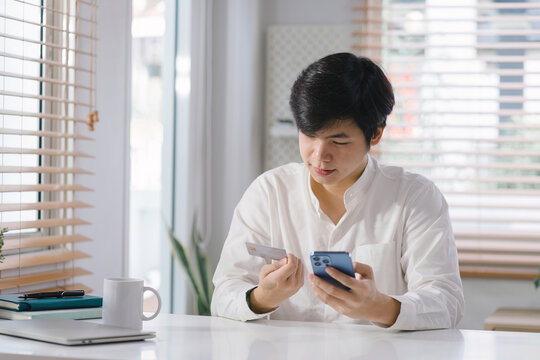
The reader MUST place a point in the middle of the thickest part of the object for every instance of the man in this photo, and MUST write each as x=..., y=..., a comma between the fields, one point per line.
x=394, y=224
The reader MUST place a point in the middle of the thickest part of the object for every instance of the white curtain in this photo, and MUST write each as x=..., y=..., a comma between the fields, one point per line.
x=215, y=115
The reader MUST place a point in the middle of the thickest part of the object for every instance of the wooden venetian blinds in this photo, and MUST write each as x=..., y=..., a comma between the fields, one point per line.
x=47, y=96
x=466, y=74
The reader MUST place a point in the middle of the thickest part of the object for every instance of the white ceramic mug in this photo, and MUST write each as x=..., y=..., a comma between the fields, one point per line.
x=123, y=302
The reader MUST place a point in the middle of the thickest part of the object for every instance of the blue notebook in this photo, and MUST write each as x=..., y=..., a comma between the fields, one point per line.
x=13, y=302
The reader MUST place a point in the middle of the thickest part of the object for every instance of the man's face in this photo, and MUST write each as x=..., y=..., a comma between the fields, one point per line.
x=336, y=156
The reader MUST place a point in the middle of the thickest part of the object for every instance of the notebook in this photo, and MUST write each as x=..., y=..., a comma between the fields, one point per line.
x=71, y=332
x=12, y=301
x=77, y=313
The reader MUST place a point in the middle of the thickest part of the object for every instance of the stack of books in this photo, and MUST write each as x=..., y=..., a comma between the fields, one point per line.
x=16, y=307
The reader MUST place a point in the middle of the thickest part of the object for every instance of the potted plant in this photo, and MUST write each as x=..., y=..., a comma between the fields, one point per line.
x=197, y=269
x=2, y=231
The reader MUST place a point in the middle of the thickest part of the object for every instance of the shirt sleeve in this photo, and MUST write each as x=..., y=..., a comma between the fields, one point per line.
x=237, y=271
x=430, y=265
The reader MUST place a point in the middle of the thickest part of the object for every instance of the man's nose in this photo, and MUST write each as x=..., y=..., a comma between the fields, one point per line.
x=322, y=152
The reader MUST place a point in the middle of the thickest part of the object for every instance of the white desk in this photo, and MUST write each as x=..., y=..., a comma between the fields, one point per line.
x=192, y=337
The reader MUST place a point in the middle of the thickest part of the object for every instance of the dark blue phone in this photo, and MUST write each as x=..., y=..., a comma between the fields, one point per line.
x=340, y=260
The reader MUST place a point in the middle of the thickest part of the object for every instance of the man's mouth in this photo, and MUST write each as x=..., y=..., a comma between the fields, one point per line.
x=323, y=172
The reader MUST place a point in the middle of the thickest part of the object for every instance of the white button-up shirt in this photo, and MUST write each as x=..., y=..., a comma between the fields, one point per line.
x=396, y=222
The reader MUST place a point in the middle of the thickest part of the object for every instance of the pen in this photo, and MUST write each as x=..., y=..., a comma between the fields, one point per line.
x=52, y=294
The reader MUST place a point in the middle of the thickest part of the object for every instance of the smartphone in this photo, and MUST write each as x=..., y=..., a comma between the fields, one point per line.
x=340, y=260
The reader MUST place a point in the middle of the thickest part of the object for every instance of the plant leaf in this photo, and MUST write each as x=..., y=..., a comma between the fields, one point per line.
x=181, y=256
x=201, y=261
x=537, y=283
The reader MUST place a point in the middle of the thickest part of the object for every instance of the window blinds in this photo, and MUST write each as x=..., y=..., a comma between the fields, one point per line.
x=47, y=106
x=466, y=75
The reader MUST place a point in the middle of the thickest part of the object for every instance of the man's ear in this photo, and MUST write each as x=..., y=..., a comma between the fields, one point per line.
x=377, y=136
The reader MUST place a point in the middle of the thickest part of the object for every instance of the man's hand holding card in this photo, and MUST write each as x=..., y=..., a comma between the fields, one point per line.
x=277, y=281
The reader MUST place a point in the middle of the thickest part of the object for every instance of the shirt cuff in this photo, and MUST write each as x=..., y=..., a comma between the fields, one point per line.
x=245, y=312
x=405, y=318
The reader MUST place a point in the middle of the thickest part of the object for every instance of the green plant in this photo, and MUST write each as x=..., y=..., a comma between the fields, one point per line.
x=2, y=231
x=537, y=282
x=198, y=270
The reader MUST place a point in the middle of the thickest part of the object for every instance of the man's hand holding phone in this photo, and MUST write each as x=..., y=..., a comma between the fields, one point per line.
x=361, y=301
x=277, y=282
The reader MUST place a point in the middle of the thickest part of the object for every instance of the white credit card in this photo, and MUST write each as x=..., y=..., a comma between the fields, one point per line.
x=266, y=251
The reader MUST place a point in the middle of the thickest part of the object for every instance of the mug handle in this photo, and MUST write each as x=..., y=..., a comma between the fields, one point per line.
x=144, y=317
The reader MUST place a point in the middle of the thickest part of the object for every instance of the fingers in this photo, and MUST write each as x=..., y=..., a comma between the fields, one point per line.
x=365, y=271
x=345, y=279
x=328, y=293
x=268, y=268
x=299, y=275
x=284, y=268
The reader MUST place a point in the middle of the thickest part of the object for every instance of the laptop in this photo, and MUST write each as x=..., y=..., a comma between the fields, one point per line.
x=71, y=332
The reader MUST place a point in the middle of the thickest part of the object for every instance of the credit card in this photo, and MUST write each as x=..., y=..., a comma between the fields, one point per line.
x=266, y=251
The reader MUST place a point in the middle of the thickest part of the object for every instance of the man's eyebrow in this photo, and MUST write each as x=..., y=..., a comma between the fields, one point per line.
x=340, y=135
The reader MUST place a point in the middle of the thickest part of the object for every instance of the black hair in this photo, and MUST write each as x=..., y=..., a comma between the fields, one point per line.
x=338, y=87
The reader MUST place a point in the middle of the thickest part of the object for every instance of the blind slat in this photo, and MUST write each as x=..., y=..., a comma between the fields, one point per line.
x=498, y=220
x=41, y=97
x=498, y=246
x=44, y=80
x=496, y=153
x=449, y=85
x=488, y=179
x=42, y=205
x=500, y=139
x=498, y=259
x=43, y=187
x=511, y=272
x=443, y=19
x=42, y=151
x=427, y=125
x=48, y=8
x=44, y=61
x=502, y=205
x=30, y=242
x=42, y=277
x=499, y=192
x=47, y=223
x=42, y=43
x=494, y=235
x=471, y=165
x=51, y=134
x=448, y=5
x=454, y=31
x=41, y=258
x=43, y=170
x=55, y=28
x=40, y=115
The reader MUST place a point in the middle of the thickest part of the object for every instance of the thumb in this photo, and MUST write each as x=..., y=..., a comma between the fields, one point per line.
x=267, y=269
x=364, y=270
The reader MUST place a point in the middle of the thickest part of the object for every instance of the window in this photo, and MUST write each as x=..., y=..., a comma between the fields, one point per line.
x=146, y=140
x=47, y=105
x=466, y=75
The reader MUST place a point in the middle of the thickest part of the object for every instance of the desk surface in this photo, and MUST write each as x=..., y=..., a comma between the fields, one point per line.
x=193, y=337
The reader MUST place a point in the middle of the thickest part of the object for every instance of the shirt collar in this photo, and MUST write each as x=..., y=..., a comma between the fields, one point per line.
x=354, y=193
x=359, y=188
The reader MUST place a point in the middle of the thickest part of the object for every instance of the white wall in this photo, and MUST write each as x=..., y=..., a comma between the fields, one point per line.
x=482, y=296
x=109, y=215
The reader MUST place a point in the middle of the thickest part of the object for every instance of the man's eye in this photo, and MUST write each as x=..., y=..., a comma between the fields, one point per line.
x=340, y=143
